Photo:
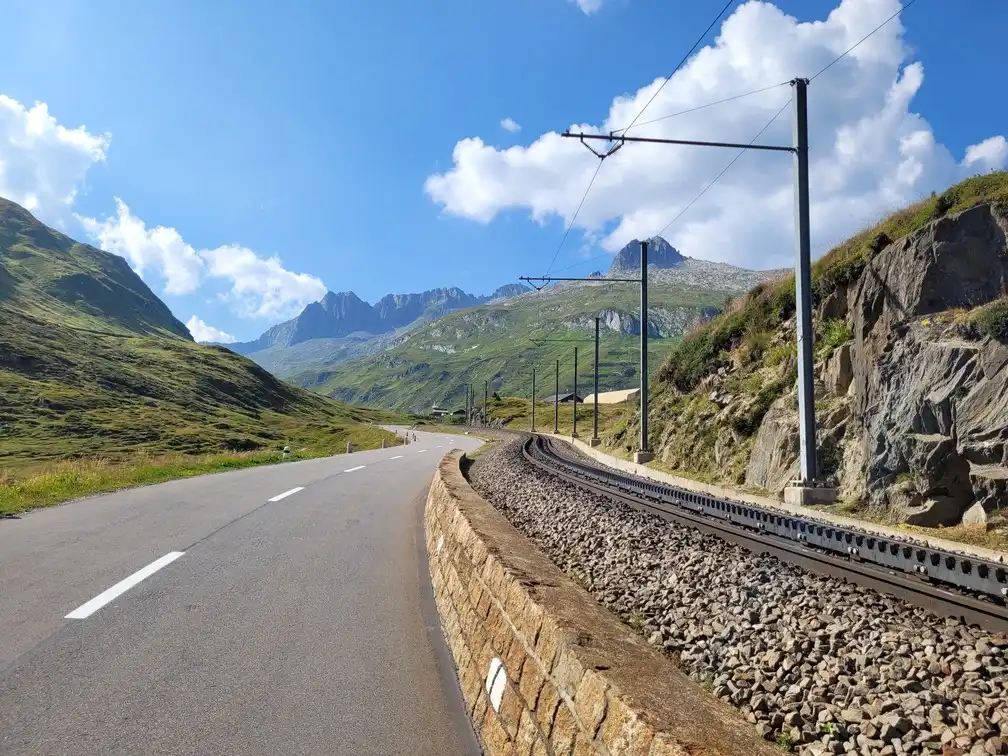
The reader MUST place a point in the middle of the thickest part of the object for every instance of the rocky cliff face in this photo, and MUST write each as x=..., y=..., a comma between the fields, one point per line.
x=397, y=310
x=928, y=405
x=662, y=322
x=333, y=316
x=913, y=416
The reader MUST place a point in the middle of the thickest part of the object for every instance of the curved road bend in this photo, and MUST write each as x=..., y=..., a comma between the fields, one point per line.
x=302, y=625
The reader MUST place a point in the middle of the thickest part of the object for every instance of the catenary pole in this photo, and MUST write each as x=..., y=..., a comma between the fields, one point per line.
x=533, y=400
x=574, y=402
x=595, y=412
x=643, y=454
x=556, y=401
x=803, y=283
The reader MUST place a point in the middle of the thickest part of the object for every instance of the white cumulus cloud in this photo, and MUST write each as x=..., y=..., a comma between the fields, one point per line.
x=262, y=287
x=42, y=163
x=869, y=152
x=990, y=154
x=510, y=124
x=149, y=250
x=259, y=287
x=204, y=332
x=588, y=6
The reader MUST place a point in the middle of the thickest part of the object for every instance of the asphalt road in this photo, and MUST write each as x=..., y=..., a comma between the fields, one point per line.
x=303, y=625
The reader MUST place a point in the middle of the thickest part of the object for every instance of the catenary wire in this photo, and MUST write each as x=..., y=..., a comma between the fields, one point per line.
x=676, y=69
x=723, y=172
x=849, y=49
x=829, y=65
x=667, y=79
x=711, y=104
x=571, y=224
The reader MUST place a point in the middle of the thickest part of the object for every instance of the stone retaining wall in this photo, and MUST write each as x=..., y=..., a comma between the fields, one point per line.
x=543, y=668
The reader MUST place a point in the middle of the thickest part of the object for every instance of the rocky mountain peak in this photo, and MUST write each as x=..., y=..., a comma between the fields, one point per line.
x=507, y=291
x=661, y=254
x=341, y=301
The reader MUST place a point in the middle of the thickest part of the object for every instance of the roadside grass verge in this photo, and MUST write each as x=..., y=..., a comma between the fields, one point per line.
x=516, y=413
x=61, y=481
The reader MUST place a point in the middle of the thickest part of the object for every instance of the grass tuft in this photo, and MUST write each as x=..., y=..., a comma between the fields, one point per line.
x=989, y=320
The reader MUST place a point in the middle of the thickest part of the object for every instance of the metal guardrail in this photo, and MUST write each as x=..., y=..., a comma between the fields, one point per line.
x=979, y=576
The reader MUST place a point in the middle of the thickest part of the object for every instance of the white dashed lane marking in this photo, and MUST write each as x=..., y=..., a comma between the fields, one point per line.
x=92, y=606
x=421, y=451
x=354, y=469
x=285, y=494
x=397, y=456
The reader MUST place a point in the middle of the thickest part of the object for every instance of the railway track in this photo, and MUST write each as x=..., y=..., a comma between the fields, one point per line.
x=944, y=582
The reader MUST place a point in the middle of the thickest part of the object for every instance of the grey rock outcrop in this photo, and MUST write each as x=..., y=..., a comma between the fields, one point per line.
x=926, y=402
x=839, y=371
x=621, y=322
x=774, y=461
x=662, y=322
x=928, y=439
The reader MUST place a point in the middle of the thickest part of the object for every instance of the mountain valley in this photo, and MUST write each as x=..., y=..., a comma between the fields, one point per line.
x=94, y=365
x=457, y=338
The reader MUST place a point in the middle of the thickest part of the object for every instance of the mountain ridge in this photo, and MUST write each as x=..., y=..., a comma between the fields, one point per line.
x=343, y=314
x=683, y=290
x=501, y=343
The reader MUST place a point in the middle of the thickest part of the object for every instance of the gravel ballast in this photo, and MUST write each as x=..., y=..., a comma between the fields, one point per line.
x=814, y=664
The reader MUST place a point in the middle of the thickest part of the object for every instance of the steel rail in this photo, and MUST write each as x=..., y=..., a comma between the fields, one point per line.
x=749, y=529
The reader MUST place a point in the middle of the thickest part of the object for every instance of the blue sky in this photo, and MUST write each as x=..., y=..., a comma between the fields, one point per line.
x=310, y=134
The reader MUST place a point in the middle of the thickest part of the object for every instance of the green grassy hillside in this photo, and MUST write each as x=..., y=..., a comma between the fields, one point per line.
x=73, y=393
x=501, y=343
x=94, y=366
x=52, y=278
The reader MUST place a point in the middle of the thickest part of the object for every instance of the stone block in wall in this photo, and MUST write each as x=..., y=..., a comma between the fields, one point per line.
x=623, y=732
x=590, y=702
x=546, y=707
x=564, y=732
x=531, y=621
x=515, y=659
x=511, y=710
x=496, y=740
x=528, y=734
x=546, y=643
x=567, y=672
x=531, y=682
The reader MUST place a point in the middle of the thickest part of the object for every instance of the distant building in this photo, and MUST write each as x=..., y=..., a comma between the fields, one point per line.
x=438, y=411
x=568, y=398
x=459, y=413
x=613, y=397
